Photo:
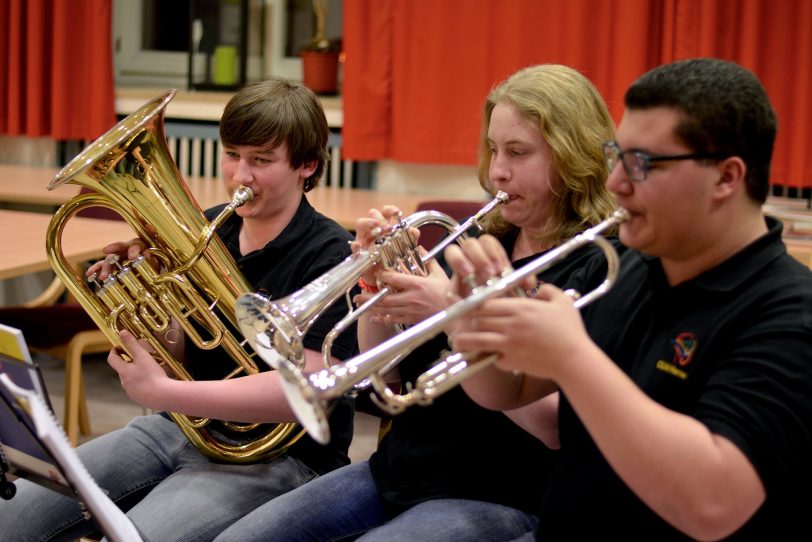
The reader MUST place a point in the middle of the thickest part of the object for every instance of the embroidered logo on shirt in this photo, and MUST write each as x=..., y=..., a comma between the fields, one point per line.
x=684, y=346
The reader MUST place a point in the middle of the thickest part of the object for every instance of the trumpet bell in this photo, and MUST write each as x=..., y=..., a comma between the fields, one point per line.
x=262, y=323
x=303, y=397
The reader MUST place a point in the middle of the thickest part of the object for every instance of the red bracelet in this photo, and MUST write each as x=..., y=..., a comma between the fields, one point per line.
x=367, y=287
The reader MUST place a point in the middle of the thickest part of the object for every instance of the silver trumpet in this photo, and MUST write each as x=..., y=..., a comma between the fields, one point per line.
x=310, y=395
x=276, y=329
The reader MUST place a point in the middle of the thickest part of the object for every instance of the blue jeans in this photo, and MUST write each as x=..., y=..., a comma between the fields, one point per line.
x=345, y=505
x=176, y=493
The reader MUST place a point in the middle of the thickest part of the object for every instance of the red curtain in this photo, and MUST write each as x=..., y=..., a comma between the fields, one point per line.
x=417, y=71
x=56, y=78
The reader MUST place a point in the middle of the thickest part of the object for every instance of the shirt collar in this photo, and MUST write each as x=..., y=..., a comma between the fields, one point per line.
x=739, y=268
x=292, y=234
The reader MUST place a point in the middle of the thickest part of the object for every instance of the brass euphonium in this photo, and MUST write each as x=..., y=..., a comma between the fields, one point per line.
x=130, y=170
x=309, y=395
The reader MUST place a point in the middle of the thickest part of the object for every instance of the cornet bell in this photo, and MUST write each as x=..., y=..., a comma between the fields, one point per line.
x=254, y=313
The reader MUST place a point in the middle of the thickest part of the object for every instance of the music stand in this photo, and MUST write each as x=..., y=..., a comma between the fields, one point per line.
x=34, y=446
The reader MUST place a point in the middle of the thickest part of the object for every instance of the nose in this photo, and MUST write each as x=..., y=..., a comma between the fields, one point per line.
x=618, y=182
x=242, y=172
x=499, y=171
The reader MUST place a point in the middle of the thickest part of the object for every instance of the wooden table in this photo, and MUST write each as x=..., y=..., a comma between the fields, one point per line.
x=29, y=185
x=797, y=220
x=800, y=249
x=344, y=205
x=22, y=240
x=22, y=234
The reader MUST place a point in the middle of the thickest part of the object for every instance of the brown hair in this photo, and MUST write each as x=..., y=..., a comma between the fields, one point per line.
x=275, y=111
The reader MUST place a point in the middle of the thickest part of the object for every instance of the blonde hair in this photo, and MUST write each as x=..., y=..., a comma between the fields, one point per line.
x=574, y=121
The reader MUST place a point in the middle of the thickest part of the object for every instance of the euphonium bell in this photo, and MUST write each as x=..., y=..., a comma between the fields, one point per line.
x=310, y=394
x=130, y=170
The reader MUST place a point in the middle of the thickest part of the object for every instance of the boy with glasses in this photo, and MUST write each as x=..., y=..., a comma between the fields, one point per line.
x=686, y=392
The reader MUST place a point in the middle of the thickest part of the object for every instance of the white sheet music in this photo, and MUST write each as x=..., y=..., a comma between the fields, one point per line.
x=112, y=521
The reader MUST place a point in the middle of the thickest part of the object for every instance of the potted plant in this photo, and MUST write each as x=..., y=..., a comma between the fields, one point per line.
x=320, y=56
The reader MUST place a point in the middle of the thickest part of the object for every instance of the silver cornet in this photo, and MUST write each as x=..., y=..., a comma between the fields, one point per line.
x=276, y=329
x=309, y=395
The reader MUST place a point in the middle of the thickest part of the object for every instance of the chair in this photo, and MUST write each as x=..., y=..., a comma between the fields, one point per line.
x=459, y=210
x=61, y=328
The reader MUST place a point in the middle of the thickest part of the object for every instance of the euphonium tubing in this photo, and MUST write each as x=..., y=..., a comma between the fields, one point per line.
x=309, y=395
x=130, y=170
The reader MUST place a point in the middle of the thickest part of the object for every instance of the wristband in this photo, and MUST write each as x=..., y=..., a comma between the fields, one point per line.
x=367, y=287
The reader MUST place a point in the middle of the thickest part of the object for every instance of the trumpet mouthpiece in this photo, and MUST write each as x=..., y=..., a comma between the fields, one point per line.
x=622, y=215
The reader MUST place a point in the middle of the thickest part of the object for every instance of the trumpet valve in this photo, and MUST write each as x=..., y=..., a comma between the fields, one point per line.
x=573, y=294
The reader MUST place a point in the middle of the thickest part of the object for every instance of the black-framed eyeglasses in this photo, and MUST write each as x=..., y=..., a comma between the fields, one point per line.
x=635, y=163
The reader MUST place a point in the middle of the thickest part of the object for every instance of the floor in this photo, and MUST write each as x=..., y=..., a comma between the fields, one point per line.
x=110, y=408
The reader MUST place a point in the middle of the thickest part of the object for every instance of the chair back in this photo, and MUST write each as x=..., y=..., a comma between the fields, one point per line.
x=98, y=212
x=459, y=210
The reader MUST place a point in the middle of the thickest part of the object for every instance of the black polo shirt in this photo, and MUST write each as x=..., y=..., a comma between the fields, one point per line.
x=731, y=348
x=309, y=246
x=456, y=449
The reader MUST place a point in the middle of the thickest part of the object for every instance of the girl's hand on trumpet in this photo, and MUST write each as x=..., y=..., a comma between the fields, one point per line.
x=535, y=336
x=476, y=261
x=413, y=298
x=367, y=230
x=365, y=227
x=400, y=310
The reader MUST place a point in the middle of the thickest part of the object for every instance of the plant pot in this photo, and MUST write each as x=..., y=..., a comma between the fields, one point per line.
x=320, y=71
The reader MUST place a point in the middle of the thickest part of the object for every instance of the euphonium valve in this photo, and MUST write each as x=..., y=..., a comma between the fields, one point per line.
x=195, y=285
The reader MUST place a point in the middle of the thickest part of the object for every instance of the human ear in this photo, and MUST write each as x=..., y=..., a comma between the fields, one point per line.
x=308, y=169
x=732, y=172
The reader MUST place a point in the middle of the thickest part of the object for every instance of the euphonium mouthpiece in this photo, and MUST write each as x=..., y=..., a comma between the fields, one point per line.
x=242, y=195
